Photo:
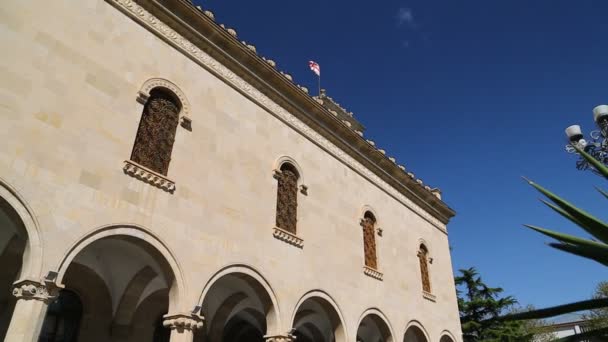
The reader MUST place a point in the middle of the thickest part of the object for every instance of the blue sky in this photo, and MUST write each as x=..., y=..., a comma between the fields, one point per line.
x=469, y=95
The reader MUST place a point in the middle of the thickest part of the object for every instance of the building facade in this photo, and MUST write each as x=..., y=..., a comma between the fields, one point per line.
x=162, y=181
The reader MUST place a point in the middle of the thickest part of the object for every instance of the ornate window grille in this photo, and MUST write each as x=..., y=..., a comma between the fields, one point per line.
x=369, y=240
x=156, y=134
x=287, y=198
x=424, y=268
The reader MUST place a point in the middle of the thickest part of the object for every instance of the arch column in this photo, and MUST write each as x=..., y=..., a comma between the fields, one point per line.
x=33, y=299
x=183, y=326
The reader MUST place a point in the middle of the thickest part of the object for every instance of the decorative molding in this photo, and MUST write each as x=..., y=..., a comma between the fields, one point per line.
x=34, y=290
x=142, y=173
x=429, y=296
x=288, y=237
x=372, y=273
x=279, y=338
x=183, y=322
x=144, y=93
x=141, y=15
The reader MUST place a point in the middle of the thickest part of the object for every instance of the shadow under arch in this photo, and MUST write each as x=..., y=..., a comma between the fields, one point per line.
x=20, y=250
x=238, y=297
x=447, y=336
x=415, y=332
x=33, y=254
x=317, y=312
x=376, y=320
x=139, y=235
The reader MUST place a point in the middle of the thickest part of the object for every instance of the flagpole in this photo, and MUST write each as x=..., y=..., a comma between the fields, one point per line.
x=319, y=79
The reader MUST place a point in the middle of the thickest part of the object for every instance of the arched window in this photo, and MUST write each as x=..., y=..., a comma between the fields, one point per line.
x=369, y=239
x=287, y=198
x=62, y=319
x=156, y=133
x=423, y=258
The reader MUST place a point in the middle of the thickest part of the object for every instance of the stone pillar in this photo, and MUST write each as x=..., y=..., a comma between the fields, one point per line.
x=33, y=298
x=183, y=326
x=280, y=338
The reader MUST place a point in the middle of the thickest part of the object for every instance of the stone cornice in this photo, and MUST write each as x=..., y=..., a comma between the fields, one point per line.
x=218, y=50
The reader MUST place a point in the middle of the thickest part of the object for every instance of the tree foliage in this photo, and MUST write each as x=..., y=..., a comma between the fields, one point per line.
x=598, y=318
x=480, y=306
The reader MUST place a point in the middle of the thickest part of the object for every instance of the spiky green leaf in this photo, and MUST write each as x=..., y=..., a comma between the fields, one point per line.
x=588, y=253
x=602, y=192
x=571, y=239
x=562, y=212
x=588, y=222
x=601, y=168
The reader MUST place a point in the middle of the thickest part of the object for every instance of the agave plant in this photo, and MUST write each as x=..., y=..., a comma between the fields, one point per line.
x=596, y=250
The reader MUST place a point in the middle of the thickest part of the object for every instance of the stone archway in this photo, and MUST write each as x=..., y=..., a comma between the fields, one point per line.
x=415, y=333
x=238, y=306
x=446, y=338
x=13, y=242
x=374, y=327
x=117, y=272
x=317, y=319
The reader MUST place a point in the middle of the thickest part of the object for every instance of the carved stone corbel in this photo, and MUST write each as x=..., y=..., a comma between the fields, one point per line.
x=280, y=338
x=187, y=321
x=35, y=290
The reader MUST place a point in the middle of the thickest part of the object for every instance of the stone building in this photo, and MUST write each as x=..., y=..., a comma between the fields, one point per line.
x=162, y=181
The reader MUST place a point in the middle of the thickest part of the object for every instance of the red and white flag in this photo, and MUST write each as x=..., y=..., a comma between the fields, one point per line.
x=314, y=66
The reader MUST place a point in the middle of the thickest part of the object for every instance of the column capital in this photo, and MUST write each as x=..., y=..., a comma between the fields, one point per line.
x=183, y=321
x=280, y=338
x=30, y=289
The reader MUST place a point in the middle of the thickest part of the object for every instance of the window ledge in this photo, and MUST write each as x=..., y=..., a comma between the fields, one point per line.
x=142, y=173
x=372, y=273
x=288, y=237
x=429, y=296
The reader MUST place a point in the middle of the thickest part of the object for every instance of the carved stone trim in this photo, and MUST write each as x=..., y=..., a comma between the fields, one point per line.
x=140, y=172
x=152, y=83
x=372, y=273
x=138, y=13
x=288, y=237
x=183, y=321
x=279, y=338
x=429, y=296
x=34, y=290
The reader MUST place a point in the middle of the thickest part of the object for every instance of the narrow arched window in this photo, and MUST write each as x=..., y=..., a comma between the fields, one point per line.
x=156, y=133
x=423, y=258
x=287, y=198
x=369, y=240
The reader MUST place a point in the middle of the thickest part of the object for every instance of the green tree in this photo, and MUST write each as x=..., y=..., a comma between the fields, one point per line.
x=598, y=318
x=480, y=306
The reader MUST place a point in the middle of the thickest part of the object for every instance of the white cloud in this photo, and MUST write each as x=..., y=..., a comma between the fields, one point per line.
x=405, y=16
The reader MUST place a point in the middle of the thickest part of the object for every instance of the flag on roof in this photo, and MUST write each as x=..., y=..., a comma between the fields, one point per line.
x=314, y=66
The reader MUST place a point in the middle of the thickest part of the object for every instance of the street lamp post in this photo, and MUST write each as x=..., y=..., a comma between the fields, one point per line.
x=597, y=146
